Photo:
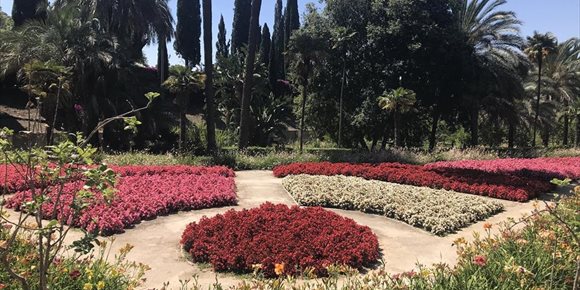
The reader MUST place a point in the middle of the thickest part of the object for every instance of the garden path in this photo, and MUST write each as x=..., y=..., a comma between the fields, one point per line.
x=156, y=242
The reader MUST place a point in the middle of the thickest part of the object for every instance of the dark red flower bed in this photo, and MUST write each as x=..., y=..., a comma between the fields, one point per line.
x=545, y=168
x=503, y=186
x=280, y=240
x=138, y=197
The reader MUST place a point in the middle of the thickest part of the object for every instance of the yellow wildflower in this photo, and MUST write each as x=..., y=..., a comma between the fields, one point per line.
x=101, y=285
x=88, y=286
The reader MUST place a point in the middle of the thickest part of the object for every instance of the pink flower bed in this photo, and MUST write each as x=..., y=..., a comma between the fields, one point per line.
x=12, y=176
x=138, y=197
x=503, y=186
x=546, y=168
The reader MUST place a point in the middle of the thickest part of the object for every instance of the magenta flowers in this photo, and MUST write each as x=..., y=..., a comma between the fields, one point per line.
x=142, y=193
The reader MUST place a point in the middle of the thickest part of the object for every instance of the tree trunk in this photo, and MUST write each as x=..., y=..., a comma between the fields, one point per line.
x=566, y=132
x=475, y=126
x=433, y=133
x=539, y=93
x=162, y=59
x=303, y=114
x=396, y=127
x=546, y=137
x=340, y=104
x=249, y=75
x=209, y=90
x=511, y=134
x=577, y=130
x=182, y=130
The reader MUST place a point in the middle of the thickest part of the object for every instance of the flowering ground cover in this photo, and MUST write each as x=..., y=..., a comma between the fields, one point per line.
x=138, y=197
x=13, y=177
x=503, y=186
x=280, y=240
x=545, y=168
x=437, y=211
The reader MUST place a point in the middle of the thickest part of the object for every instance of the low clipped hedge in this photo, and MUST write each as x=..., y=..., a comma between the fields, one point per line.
x=280, y=240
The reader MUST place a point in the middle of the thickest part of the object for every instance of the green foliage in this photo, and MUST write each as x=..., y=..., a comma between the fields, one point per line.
x=6, y=22
x=188, y=31
x=74, y=272
x=241, y=25
x=27, y=10
x=222, y=47
x=291, y=19
x=277, y=48
x=265, y=45
x=399, y=100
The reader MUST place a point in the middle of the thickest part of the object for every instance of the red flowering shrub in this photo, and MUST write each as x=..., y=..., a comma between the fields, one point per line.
x=12, y=176
x=280, y=240
x=132, y=170
x=138, y=197
x=545, y=168
x=503, y=186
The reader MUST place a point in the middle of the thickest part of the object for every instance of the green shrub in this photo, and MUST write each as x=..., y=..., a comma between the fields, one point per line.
x=72, y=271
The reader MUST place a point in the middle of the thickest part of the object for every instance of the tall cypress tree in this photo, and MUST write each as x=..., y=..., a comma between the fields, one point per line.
x=241, y=24
x=222, y=47
x=23, y=10
x=188, y=32
x=277, y=48
x=291, y=19
x=265, y=44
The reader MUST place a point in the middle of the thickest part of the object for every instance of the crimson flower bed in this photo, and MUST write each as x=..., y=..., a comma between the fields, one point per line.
x=545, y=168
x=137, y=198
x=280, y=240
x=503, y=186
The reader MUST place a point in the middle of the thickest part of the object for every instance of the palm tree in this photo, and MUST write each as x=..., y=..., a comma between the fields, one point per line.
x=209, y=90
x=306, y=49
x=492, y=35
x=561, y=79
x=182, y=83
x=539, y=47
x=249, y=74
x=398, y=101
x=71, y=37
x=134, y=22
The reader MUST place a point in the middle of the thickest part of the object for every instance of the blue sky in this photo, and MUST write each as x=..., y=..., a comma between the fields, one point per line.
x=562, y=17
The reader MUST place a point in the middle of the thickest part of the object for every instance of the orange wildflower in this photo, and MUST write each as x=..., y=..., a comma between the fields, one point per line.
x=279, y=269
x=487, y=226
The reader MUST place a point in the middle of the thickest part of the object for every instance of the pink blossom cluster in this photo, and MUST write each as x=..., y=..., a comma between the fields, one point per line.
x=137, y=198
x=15, y=178
x=545, y=168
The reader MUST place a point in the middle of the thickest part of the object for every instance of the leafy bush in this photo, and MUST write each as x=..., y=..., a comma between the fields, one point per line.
x=438, y=211
x=545, y=168
x=141, y=193
x=279, y=240
x=72, y=272
x=501, y=186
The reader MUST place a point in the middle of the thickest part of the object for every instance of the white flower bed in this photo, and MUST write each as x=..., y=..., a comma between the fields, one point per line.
x=437, y=211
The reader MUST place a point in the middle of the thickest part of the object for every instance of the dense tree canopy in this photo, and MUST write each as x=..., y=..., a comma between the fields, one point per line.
x=362, y=74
